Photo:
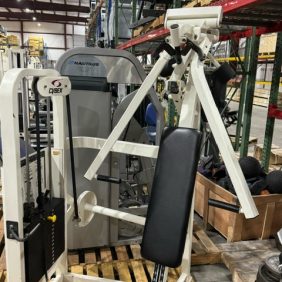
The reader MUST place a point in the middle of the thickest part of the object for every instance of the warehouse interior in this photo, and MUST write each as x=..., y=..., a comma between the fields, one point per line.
x=140, y=140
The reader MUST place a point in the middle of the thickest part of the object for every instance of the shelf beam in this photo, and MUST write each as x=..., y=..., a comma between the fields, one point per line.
x=231, y=6
x=35, y=5
x=42, y=17
x=152, y=35
x=248, y=33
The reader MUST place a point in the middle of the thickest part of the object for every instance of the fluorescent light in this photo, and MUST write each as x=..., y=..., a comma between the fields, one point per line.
x=27, y=10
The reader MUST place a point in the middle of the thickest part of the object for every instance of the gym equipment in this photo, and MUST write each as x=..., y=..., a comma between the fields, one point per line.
x=92, y=72
x=271, y=269
x=167, y=218
x=197, y=27
x=250, y=166
x=274, y=182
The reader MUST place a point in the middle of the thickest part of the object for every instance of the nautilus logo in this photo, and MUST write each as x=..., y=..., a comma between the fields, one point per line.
x=56, y=83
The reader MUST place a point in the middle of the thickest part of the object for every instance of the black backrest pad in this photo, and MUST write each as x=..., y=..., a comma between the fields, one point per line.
x=172, y=192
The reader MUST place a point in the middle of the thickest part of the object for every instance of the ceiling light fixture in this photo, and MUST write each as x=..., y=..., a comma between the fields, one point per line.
x=34, y=18
x=27, y=10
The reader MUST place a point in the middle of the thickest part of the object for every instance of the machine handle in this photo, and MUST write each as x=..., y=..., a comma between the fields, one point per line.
x=223, y=205
x=109, y=179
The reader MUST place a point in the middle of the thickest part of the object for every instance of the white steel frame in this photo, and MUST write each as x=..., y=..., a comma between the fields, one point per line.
x=196, y=91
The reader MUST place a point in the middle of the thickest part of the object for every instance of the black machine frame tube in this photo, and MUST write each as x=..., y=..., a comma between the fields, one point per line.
x=74, y=190
x=38, y=148
x=223, y=205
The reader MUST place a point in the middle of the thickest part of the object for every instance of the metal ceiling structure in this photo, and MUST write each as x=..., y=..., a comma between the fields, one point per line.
x=58, y=11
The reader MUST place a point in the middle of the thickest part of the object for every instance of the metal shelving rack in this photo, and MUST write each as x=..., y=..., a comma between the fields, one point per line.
x=241, y=19
x=265, y=14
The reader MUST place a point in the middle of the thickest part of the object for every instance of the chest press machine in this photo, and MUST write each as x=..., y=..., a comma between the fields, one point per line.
x=168, y=226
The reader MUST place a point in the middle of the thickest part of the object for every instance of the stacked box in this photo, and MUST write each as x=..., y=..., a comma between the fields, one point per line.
x=3, y=41
x=36, y=45
x=13, y=40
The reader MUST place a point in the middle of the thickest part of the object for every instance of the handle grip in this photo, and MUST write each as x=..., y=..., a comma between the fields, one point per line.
x=109, y=179
x=223, y=205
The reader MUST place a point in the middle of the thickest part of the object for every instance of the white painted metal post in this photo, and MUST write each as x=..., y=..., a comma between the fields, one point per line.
x=12, y=186
x=222, y=140
x=132, y=107
x=116, y=214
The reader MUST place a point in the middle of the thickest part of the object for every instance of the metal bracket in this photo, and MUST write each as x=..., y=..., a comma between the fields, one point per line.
x=12, y=225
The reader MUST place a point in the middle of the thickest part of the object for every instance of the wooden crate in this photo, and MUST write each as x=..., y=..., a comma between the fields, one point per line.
x=233, y=226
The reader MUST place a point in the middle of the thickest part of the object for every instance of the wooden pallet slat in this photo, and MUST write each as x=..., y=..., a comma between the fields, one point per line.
x=90, y=257
x=92, y=270
x=123, y=271
x=135, y=249
x=73, y=259
x=139, y=272
x=150, y=267
x=107, y=270
x=206, y=242
x=78, y=269
x=121, y=253
x=3, y=276
x=106, y=254
x=173, y=274
x=197, y=247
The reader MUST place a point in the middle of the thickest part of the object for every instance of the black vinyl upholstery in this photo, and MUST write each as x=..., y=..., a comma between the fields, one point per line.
x=172, y=192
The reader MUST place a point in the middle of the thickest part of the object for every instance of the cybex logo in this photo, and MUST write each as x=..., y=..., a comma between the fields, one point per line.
x=56, y=83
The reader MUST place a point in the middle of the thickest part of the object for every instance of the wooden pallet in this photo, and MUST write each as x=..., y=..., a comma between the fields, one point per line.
x=275, y=154
x=244, y=258
x=261, y=97
x=126, y=264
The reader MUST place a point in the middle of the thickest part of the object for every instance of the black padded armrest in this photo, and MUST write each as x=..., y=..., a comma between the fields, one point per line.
x=172, y=192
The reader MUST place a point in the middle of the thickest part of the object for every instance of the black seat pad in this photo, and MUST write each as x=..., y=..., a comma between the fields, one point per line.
x=172, y=192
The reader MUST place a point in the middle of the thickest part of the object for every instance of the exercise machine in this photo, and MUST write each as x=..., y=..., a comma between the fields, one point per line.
x=167, y=235
x=95, y=74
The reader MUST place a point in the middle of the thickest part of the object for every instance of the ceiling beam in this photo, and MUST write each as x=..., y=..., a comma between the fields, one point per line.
x=35, y=5
x=42, y=17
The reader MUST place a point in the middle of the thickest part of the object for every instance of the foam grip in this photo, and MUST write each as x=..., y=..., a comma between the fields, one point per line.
x=171, y=197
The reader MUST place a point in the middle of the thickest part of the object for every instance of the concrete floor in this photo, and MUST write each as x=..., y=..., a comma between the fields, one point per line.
x=258, y=123
x=211, y=273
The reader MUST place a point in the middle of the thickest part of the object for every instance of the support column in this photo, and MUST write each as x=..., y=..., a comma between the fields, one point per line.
x=242, y=98
x=116, y=23
x=249, y=88
x=176, y=3
x=274, y=91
